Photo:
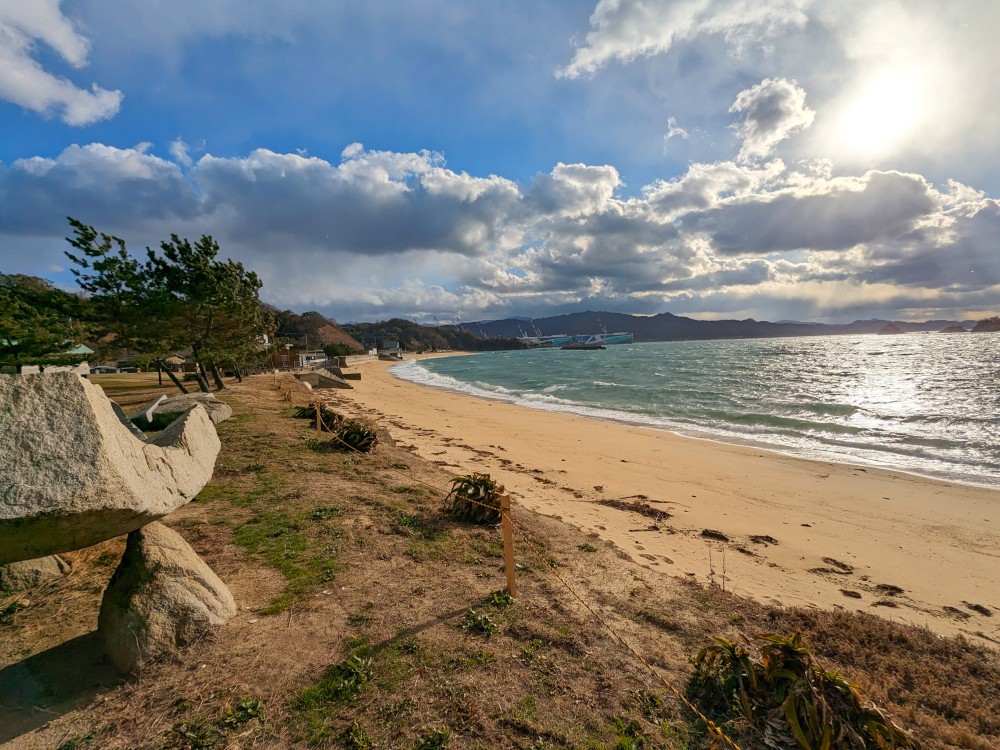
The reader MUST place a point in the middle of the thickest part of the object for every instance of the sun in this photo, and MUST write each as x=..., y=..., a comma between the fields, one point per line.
x=882, y=116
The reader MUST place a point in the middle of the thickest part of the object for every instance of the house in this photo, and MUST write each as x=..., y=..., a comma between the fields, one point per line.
x=309, y=359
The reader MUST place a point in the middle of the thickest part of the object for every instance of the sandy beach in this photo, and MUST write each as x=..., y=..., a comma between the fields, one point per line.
x=783, y=530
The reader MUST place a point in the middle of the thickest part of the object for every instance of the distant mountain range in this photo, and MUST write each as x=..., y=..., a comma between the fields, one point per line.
x=670, y=327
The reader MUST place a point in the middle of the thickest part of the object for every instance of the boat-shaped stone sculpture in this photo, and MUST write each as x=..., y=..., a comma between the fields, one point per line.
x=74, y=471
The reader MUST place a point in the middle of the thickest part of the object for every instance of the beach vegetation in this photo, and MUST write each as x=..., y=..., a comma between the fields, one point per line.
x=356, y=738
x=788, y=700
x=354, y=435
x=987, y=325
x=331, y=419
x=478, y=622
x=432, y=739
x=501, y=599
x=474, y=498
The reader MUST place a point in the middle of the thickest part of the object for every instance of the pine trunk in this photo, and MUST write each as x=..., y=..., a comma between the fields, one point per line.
x=162, y=366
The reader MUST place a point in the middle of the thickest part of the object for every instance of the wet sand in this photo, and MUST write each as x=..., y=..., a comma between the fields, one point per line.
x=780, y=529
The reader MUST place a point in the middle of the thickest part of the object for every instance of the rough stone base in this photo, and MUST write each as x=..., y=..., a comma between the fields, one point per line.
x=161, y=597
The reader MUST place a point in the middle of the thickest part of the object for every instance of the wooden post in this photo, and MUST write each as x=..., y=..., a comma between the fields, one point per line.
x=508, y=543
x=319, y=418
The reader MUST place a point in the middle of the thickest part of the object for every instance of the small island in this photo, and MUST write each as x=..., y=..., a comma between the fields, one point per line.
x=987, y=325
x=954, y=329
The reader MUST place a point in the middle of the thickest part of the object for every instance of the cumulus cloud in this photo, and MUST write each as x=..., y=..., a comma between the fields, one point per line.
x=835, y=214
x=382, y=233
x=373, y=202
x=957, y=254
x=119, y=189
x=626, y=29
x=23, y=81
x=574, y=189
x=772, y=110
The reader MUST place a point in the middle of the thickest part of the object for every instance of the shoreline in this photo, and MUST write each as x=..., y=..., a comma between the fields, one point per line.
x=691, y=432
x=798, y=531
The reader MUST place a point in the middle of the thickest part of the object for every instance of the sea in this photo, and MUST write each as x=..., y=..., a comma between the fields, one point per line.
x=927, y=404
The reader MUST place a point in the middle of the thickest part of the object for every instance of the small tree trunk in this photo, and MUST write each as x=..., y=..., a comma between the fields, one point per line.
x=203, y=379
x=173, y=378
x=217, y=377
x=239, y=374
x=159, y=373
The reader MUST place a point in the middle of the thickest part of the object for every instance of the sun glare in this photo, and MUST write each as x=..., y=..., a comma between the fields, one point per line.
x=880, y=118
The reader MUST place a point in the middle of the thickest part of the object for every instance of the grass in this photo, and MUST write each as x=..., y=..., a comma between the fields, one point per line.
x=393, y=631
x=315, y=709
x=280, y=542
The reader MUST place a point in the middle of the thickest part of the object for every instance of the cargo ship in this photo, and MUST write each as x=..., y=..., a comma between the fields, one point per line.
x=563, y=339
x=604, y=339
x=559, y=339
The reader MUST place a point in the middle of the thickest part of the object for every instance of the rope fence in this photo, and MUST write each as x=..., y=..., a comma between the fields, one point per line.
x=508, y=527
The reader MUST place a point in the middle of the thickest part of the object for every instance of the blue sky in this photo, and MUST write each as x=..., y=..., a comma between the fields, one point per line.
x=775, y=159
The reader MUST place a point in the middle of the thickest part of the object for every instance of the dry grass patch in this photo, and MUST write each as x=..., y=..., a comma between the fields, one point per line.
x=369, y=619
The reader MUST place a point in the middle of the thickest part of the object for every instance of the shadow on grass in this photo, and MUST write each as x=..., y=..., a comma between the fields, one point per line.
x=45, y=686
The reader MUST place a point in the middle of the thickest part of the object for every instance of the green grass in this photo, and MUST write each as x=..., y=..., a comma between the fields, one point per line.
x=296, y=543
x=279, y=540
x=204, y=733
x=317, y=708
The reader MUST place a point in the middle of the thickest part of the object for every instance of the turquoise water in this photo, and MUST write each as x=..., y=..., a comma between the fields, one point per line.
x=922, y=403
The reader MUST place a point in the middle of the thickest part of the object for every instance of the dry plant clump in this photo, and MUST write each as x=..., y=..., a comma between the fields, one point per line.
x=784, y=698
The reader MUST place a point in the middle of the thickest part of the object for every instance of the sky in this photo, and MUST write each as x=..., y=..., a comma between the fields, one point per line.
x=813, y=160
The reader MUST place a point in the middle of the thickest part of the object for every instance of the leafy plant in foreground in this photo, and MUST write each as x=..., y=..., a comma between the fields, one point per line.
x=478, y=622
x=432, y=739
x=342, y=682
x=501, y=599
x=788, y=700
x=354, y=435
x=475, y=498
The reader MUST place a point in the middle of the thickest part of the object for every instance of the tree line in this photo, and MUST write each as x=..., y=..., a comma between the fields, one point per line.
x=416, y=337
x=180, y=297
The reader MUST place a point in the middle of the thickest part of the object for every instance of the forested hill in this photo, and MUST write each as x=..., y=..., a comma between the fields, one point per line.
x=320, y=330
x=670, y=327
x=414, y=337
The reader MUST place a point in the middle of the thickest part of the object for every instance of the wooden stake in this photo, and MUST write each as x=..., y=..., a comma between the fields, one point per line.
x=508, y=543
x=319, y=419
